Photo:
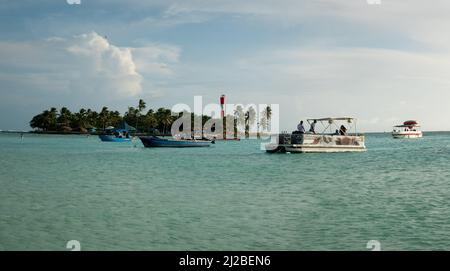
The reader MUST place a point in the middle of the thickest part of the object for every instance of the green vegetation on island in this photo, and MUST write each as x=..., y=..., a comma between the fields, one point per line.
x=85, y=120
x=151, y=121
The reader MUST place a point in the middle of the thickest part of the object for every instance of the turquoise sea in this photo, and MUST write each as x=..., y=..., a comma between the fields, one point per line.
x=233, y=196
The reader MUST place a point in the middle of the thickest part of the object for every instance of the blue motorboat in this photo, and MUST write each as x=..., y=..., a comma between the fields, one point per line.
x=111, y=138
x=154, y=141
x=116, y=135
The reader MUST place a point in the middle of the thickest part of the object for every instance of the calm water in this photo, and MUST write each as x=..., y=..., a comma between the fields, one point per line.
x=232, y=196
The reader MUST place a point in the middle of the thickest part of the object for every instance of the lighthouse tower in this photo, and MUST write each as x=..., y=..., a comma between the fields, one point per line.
x=222, y=114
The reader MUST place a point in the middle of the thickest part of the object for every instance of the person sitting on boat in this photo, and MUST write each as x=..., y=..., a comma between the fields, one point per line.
x=343, y=130
x=312, y=129
x=300, y=128
x=336, y=132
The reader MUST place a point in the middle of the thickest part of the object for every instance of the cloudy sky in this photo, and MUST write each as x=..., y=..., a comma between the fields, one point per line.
x=380, y=63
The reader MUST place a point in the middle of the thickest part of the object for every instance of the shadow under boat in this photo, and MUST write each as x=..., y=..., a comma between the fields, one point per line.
x=154, y=141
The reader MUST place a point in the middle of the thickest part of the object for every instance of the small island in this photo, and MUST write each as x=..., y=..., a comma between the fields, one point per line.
x=137, y=119
x=86, y=121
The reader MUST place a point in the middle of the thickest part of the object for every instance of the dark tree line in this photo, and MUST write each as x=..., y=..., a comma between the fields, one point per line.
x=63, y=120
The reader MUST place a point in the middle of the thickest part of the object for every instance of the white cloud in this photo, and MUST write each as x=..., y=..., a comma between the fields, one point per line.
x=372, y=84
x=336, y=56
x=81, y=71
x=84, y=67
x=110, y=69
x=155, y=59
x=419, y=21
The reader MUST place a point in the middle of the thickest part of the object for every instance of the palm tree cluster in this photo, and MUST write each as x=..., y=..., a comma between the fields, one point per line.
x=247, y=119
x=64, y=120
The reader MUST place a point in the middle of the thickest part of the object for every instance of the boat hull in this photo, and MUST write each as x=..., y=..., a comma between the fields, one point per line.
x=228, y=139
x=407, y=135
x=156, y=142
x=111, y=138
x=311, y=143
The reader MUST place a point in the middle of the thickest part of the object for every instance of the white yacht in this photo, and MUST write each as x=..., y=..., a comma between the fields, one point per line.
x=409, y=129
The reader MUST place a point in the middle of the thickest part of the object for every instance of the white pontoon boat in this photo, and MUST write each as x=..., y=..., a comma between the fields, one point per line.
x=409, y=129
x=332, y=138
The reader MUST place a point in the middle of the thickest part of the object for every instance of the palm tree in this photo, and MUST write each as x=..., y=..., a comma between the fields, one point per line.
x=165, y=119
x=50, y=118
x=268, y=113
x=103, y=117
x=114, y=118
x=239, y=117
x=141, y=107
x=131, y=115
x=92, y=118
x=80, y=120
x=266, y=117
x=37, y=121
x=249, y=120
x=149, y=120
x=46, y=121
x=64, y=118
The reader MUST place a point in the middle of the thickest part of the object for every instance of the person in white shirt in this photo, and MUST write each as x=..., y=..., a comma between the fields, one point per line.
x=301, y=128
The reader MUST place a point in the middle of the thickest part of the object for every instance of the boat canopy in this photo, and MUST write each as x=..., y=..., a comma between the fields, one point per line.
x=408, y=123
x=125, y=126
x=348, y=119
x=329, y=123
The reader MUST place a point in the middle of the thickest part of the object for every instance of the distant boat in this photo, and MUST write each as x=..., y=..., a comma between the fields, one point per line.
x=116, y=135
x=409, y=129
x=154, y=141
x=111, y=138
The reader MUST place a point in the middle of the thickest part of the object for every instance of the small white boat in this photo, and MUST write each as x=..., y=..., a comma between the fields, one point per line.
x=409, y=129
x=333, y=138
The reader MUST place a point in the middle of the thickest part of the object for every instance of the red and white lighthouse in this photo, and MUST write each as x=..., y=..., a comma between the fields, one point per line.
x=222, y=106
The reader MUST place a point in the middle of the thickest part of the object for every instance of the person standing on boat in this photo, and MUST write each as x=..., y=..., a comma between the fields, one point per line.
x=312, y=129
x=343, y=130
x=301, y=128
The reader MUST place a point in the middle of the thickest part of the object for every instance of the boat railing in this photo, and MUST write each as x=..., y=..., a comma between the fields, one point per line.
x=299, y=138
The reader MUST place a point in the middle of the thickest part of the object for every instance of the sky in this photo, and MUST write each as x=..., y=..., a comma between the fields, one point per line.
x=381, y=63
